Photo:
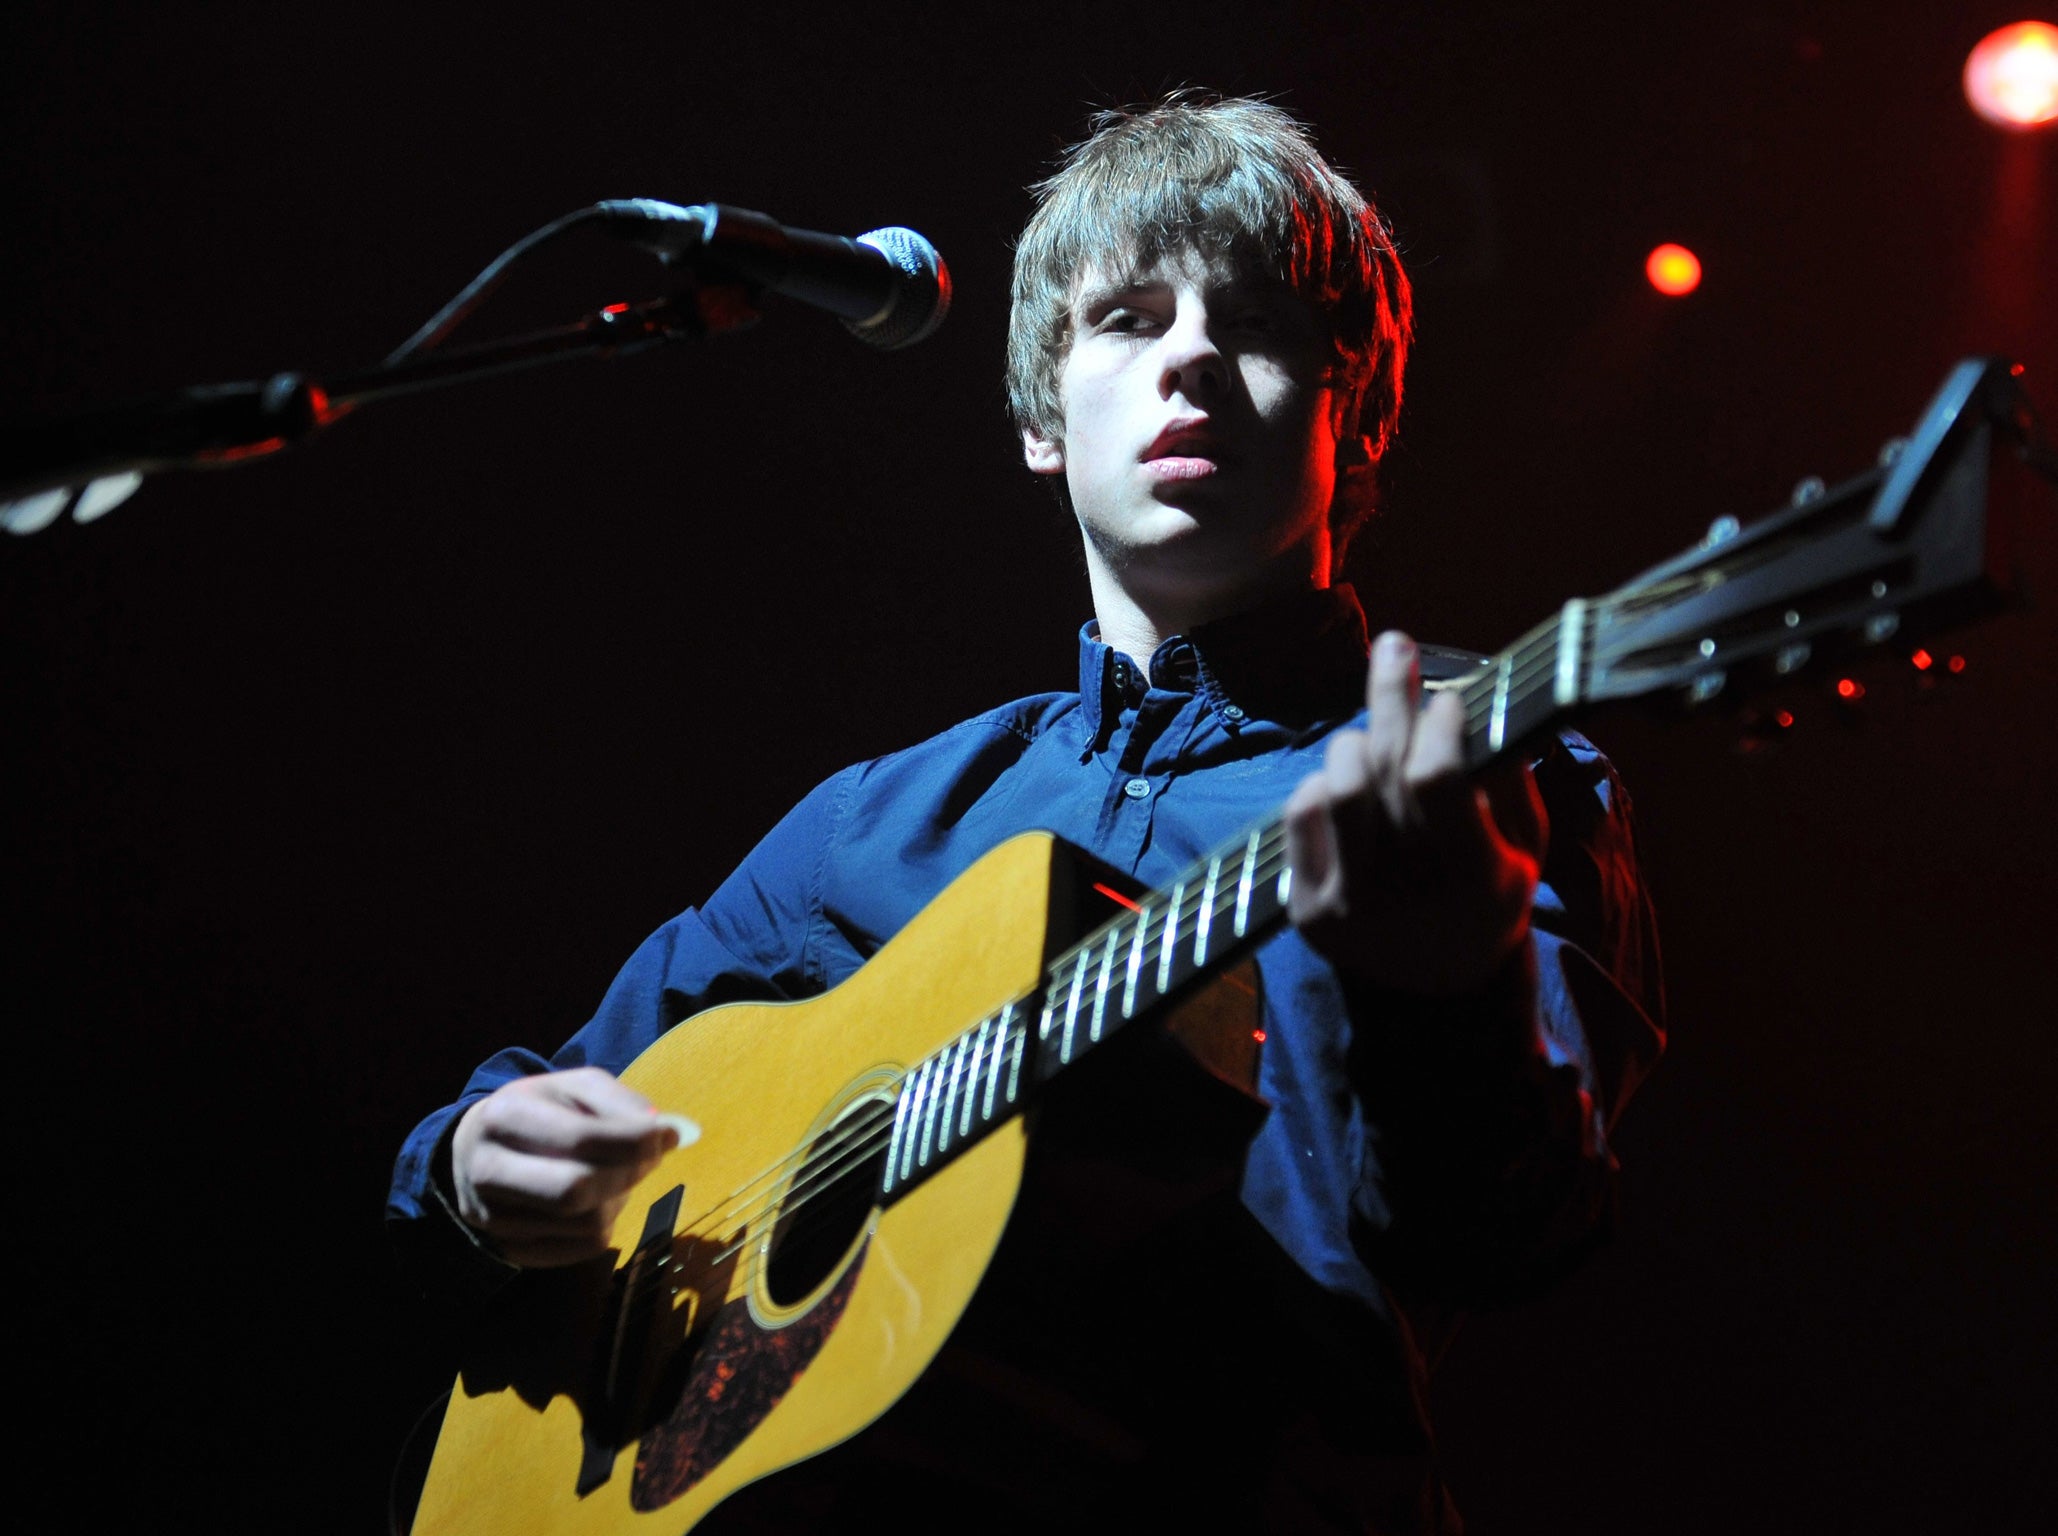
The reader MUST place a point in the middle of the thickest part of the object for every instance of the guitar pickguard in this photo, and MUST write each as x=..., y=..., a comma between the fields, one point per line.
x=739, y=1375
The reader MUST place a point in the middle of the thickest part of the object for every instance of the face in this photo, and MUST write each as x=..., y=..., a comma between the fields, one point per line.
x=1201, y=426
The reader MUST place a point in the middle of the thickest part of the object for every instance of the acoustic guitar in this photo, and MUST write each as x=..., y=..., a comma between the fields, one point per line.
x=780, y=1282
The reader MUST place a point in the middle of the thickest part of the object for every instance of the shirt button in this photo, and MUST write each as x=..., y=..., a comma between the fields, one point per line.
x=1137, y=789
x=1231, y=712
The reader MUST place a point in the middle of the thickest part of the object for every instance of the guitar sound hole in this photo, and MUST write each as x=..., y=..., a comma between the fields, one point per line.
x=828, y=1205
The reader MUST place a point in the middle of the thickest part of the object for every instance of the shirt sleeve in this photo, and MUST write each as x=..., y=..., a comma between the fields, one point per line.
x=757, y=938
x=1486, y=1168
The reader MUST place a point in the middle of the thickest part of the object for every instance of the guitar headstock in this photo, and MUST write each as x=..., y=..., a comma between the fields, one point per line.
x=1914, y=546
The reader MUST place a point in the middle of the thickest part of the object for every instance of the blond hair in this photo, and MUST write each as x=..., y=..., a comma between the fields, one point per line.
x=1234, y=180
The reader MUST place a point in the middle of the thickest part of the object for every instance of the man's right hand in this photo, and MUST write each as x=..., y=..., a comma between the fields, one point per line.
x=542, y=1165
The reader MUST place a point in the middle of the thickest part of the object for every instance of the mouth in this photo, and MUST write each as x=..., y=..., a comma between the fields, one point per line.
x=1186, y=449
x=1188, y=437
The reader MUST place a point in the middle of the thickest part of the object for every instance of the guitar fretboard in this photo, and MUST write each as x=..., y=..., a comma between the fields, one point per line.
x=1219, y=908
x=1128, y=967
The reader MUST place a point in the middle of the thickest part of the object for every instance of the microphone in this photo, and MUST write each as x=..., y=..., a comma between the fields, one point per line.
x=889, y=287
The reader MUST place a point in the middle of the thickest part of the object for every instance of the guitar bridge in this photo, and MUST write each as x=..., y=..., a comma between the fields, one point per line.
x=639, y=1286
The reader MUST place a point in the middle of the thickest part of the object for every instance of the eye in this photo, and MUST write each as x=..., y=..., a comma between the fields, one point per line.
x=1123, y=321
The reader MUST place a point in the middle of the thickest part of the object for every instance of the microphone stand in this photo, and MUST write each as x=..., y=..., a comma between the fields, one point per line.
x=91, y=463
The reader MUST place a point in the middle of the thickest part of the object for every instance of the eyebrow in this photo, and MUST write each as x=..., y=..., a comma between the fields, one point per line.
x=1102, y=295
x=1116, y=291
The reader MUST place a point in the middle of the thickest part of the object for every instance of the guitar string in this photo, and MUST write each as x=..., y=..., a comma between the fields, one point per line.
x=1522, y=676
x=1270, y=840
x=854, y=1139
x=1054, y=981
x=1479, y=692
x=856, y=1142
x=825, y=1161
x=857, y=1138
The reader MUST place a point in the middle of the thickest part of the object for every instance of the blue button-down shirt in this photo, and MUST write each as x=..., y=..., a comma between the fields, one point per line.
x=1452, y=1151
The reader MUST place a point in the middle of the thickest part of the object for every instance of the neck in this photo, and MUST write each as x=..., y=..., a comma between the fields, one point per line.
x=1138, y=610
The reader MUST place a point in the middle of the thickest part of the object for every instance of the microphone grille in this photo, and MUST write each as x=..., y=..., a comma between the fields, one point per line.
x=923, y=298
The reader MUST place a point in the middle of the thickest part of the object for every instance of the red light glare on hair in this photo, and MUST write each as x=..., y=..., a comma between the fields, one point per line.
x=2011, y=78
x=1849, y=688
x=1923, y=661
x=1673, y=270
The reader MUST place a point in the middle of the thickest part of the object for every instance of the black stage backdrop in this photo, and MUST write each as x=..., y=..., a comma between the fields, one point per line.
x=326, y=776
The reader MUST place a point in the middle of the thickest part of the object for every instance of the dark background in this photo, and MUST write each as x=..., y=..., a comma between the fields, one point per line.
x=327, y=776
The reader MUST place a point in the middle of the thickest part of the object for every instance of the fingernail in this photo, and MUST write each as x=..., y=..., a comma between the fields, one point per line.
x=684, y=1132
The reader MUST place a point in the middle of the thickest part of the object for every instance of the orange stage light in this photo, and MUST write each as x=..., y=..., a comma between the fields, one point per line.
x=1673, y=270
x=2011, y=78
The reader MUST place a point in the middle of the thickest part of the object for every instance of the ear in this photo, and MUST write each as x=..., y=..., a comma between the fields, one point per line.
x=1043, y=455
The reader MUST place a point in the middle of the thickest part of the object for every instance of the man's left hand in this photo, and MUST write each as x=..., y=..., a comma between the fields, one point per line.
x=1406, y=873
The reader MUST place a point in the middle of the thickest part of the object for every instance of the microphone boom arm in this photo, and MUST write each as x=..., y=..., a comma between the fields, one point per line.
x=48, y=467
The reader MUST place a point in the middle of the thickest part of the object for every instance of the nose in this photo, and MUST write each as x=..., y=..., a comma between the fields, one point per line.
x=1190, y=362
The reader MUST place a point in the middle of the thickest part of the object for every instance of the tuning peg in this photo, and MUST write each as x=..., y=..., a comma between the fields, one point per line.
x=1931, y=668
x=1891, y=450
x=1763, y=730
x=1847, y=701
x=1807, y=490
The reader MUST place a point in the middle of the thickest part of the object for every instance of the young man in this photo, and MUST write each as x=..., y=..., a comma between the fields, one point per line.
x=1206, y=351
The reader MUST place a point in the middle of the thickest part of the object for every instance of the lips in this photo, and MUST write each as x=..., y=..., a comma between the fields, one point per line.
x=1191, y=437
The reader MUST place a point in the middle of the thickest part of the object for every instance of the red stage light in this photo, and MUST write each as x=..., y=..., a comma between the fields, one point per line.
x=1785, y=717
x=1849, y=688
x=2011, y=78
x=1923, y=661
x=1956, y=663
x=1673, y=270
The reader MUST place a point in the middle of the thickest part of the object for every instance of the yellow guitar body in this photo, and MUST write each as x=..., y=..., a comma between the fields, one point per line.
x=764, y=1082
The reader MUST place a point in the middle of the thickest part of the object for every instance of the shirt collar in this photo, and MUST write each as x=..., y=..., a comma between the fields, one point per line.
x=1294, y=660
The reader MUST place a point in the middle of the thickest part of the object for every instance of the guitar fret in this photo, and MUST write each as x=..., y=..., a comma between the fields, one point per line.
x=1571, y=643
x=929, y=1111
x=896, y=1146
x=1171, y=938
x=1497, y=728
x=950, y=1090
x=1072, y=1006
x=1015, y=1063
x=1000, y=1049
x=972, y=1079
x=1243, y=884
x=1100, y=987
x=1136, y=949
x=1207, y=914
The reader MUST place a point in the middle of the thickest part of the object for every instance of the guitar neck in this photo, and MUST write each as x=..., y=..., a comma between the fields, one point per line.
x=1220, y=908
